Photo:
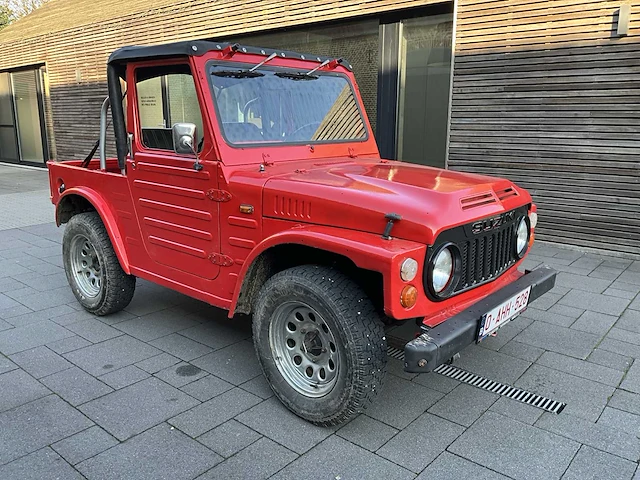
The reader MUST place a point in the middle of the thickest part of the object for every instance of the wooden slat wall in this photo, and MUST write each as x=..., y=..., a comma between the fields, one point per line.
x=76, y=58
x=546, y=95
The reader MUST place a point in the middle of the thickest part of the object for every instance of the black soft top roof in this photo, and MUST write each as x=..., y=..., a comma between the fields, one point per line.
x=198, y=48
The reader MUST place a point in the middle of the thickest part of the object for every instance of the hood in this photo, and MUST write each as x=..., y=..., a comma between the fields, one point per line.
x=356, y=194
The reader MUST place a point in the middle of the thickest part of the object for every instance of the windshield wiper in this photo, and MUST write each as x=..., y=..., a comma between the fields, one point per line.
x=310, y=74
x=296, y=76
x=250, y=73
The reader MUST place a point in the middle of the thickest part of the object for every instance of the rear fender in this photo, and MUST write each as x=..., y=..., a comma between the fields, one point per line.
x=365, y=250
x=108, y=219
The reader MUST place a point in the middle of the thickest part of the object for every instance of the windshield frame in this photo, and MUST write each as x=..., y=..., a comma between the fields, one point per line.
x=277, y=68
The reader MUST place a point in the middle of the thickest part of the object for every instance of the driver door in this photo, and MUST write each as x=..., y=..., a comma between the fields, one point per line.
x=173, y=198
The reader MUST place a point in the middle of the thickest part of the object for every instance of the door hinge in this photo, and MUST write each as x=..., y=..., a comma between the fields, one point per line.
x=218, y=195
x=222, y=260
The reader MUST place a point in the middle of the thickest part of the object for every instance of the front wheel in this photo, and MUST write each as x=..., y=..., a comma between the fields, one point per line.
x=92, y=267
x=320, y=343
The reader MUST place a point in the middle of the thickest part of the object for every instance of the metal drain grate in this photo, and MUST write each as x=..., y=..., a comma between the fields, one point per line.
x=514, y=393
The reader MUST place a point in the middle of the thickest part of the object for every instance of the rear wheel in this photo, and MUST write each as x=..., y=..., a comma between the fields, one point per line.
x=320, y=343
x=92, y=267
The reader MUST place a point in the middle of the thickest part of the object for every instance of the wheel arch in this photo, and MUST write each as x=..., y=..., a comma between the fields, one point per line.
x=76, y=200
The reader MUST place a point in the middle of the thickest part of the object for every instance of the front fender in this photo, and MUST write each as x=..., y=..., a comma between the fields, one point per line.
x=108, y=219
x=366, y=250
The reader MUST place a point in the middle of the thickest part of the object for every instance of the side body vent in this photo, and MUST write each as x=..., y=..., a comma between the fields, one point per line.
x=291, y=207
x=506, y=193
x=474, y=201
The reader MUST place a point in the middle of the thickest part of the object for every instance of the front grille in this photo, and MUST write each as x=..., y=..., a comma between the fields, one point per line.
x=486, y=256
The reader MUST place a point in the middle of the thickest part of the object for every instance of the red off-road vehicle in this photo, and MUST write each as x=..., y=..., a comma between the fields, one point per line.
x=250, y=179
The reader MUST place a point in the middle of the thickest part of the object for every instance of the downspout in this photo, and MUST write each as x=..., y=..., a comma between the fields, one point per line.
x=117, y=114
x=103, y=134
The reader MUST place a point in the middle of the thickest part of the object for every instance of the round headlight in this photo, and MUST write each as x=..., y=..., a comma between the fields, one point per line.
x=442, y=270
x=522, y=237
x=408, y=269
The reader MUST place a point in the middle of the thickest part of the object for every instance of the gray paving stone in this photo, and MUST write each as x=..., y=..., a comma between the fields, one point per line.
x=630, y=320
x=548, y=316
x=216, y=334
x=595, y=302
x=93, y=330
x=615, y=292
x=268, y=418
x=9, y=284
x=581, y=282
x=36, y=300
x=627, y=401
x=546, y=301
x=40, y=362
x=258, y=386
x=181, y=374
x=619, y=419
x=182, y=347
x=117, y=317
x=157, y=363
x=367, y=433
x=348, y=461
x=208, y=387
x=235, y=364
x=47, y=277
x=214, y=412
x=624, y=336
x=606, y=273
x=436, y=382
x=618, y=347
x=10, y=312
x=594, y=464
x=18, y=388
x=35, y=317
x=517, y=410
x=627, y=287
x=43, y=464
x=584, y=398
x=451, y=467
x=635, y=305
x=515, y=449
x=107, y=356
x=229, y=438
x=402, y=450
x=76, y=386
x=6, y=365
x=30, y=336
x=4, y=325
x=21, y=434
x=68, y=344
x=631, y=381
x=133, y=409
x=9, y=268
x=581, y=368
x=400, y=402
x=258, y=461
x=630, y=276
x=85, y=444
x=596, y=323
x=464, y=405
x=167, y=454
x=73, y=317
x=494, y=365
x=123, y=377
x=596, y=435
x=559, y=339
x=155, y=325
x=566, y=311
x=525, y=352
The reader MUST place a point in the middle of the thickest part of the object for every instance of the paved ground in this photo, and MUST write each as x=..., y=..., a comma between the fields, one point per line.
x=171, y=389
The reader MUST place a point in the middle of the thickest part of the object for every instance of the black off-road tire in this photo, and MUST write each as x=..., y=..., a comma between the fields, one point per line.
x=116, y=287
x=355, y=325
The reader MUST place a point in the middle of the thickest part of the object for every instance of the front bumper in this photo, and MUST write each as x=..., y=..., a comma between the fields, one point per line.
x=442, y=342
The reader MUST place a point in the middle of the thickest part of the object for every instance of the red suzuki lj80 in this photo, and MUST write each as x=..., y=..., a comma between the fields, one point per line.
x=250, y=179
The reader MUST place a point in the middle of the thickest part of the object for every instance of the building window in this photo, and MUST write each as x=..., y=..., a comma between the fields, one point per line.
x=22, y=125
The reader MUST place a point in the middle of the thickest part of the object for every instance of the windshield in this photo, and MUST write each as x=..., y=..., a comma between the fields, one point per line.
x=284, y=106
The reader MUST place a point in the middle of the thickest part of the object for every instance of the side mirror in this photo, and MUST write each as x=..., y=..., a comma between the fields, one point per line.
x=184, y=135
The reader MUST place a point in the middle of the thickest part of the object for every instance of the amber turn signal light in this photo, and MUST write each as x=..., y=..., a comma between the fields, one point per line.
x=409, y=296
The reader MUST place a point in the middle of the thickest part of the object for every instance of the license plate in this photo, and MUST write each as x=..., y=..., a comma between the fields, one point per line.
x=503, y=313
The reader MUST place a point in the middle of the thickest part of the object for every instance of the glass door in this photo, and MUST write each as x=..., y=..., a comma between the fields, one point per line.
x=8, y=138
x=423, y=89
x=27, y=100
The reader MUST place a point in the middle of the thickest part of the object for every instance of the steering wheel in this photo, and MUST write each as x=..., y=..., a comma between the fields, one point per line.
x=312, y=126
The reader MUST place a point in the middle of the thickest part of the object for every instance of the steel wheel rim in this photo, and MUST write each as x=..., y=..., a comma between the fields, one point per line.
x=304, y=349
x=86, y=268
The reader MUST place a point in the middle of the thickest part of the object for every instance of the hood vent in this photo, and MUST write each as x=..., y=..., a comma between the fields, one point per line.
x=506, y=193
x=479, y=200
x=291, y=208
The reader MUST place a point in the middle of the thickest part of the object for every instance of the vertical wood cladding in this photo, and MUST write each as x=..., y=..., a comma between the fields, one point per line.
x=546, y=94
x=76, y=58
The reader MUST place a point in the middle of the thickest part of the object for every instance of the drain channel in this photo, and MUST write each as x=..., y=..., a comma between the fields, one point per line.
x=508, y=391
